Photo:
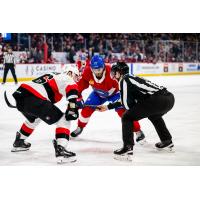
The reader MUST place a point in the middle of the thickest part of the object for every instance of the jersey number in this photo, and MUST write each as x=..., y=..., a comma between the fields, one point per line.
x=43, y=79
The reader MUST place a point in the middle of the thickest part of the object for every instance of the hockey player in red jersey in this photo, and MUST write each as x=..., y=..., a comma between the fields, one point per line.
x=97, y=75
x=36, y=101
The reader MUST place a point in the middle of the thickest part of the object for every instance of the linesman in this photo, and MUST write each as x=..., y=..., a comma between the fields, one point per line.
x=142, y=99
x=9, y=63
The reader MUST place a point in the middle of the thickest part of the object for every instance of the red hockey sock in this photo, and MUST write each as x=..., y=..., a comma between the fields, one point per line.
x=85, y=116
x=136, y=126
x=25, y=130
x=62, y=133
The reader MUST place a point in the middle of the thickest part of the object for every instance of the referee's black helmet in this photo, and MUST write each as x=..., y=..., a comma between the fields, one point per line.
x=120, y=67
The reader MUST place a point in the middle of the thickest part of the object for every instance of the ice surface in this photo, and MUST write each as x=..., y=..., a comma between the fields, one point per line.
x=103, y=133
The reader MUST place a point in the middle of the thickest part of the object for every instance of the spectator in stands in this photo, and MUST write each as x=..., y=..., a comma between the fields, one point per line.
x=163, y=46
x=71, y=55
x=1, y=54
x=51, y=59
x=23, y=58
x=40, y=56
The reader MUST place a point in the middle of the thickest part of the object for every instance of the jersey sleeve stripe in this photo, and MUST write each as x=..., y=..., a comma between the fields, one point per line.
x=142, y=86
x=125, y=95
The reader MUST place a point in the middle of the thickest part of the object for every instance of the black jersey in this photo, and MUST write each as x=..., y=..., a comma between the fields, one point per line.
x=134, y=89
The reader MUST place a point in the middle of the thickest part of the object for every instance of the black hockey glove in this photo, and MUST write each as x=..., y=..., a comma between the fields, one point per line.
x=71, y=112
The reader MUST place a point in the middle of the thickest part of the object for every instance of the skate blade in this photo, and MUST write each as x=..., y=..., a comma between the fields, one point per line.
x=18, y=149
x=62, y=160
x=142, y=142
x=169, y=149
x=74, y=136
x=127, y=158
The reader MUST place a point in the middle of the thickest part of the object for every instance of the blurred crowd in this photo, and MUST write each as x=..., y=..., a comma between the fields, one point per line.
x=130, y=47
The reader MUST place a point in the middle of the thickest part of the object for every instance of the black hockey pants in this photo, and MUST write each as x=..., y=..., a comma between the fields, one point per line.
x=152, y=108
x=33, y=107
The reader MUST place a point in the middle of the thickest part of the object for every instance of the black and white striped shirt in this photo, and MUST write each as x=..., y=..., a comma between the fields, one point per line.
x=134, y=89
x=9, y=58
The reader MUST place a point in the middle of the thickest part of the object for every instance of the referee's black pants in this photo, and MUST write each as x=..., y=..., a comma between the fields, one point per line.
x=152, y=108
x=9, y=66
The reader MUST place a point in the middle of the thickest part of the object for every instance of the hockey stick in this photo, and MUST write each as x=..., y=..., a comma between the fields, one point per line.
x=7, y=102
x=92, y=106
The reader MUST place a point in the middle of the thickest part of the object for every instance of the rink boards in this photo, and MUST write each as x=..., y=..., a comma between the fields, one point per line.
x=26, y=72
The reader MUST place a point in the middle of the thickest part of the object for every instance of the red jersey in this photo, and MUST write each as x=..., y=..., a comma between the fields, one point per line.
x=104, y=87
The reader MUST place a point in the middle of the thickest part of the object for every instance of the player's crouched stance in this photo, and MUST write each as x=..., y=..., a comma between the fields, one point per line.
x=142, y=99
x=36, y=101
x=104, y=89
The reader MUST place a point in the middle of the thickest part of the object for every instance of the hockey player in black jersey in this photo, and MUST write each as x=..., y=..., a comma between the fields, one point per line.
x=36, y=101
x=142, y=99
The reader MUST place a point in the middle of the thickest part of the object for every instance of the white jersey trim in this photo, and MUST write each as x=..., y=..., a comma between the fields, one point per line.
x=39, y=88
x=125, y=95
x=72, y=97
x=140, y=85
x=111, y=91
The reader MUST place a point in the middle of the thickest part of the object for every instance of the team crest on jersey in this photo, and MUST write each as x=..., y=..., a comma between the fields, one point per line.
x=91, y=82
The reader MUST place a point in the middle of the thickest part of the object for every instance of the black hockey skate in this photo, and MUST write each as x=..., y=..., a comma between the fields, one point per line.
x=140, y=137
x=20, y=144
x=166, y=145
x=77, y=132
x=125, y=153
x=62, y=155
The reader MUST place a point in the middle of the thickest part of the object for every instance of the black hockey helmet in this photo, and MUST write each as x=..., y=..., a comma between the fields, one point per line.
x=120, y=67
